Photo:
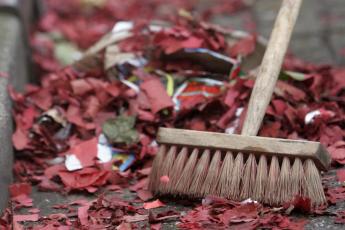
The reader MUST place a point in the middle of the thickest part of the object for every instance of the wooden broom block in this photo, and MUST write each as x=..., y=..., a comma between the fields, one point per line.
x=247, y=144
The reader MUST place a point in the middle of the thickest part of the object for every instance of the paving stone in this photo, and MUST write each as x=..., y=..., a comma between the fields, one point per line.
x=337, y=40
x=239, y=21
x=266, y=10
x=333, y=14
x=310, y=40
x=318, y=33
x=311, y=47
x=323, y=223
x=46, y=200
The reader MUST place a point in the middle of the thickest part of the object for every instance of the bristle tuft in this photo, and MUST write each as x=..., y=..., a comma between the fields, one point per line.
x=176, y=170
x=185, y=178
x=156, y=169
x=314, y=185
x=284, y=182
x=298, y=185
x=261, y=179
x=199, y=174
x=265, y=181
x=166, y=167
x=209, y=186
x=272, y=180
x=223, y=185
x=234, y=192
x=249, y=176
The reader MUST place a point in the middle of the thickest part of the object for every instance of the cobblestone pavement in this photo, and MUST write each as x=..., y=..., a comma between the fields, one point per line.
x=319, y=35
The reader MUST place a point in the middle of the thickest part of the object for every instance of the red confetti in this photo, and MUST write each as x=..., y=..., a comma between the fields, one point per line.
x=84, y=153
x=19, y=218
x=156, y=95
x=3, y=74
x=340, y=217
x=83, y=215
x=243, y=47
x=63, y=115
x=20, y=139
x=154, y=204
x=337, y=152
x=336, y=194
x=231, y=97
x=22, y=200
x=144, y=195
x=84, y=178
x=20, y=189
x=300, y=203
x=164, y=179
x=135, y=218
x=341, y=175
x=243, y=213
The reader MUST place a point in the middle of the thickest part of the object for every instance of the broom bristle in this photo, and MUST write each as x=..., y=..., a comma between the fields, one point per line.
x=271, y=186
x=166, y=168
x=156, y=168
x=223, y=185
x=184, y=181
x=284, y=182
x=314, y=184
x=298, y=185
x=178, y=166
x=261, y=179
x=235, y=179
x=199, y=174
x=249, y=176
x=231, y=178
x=209, y=186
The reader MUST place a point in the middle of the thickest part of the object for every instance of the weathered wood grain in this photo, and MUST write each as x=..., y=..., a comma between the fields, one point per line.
x=247, y=144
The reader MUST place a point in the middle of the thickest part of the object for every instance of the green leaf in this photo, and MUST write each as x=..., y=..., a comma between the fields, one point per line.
x=121, y=130
x=291, y=74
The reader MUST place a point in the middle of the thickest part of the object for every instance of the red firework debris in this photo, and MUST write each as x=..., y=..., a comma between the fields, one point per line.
x=154, y=204
x=93, y=130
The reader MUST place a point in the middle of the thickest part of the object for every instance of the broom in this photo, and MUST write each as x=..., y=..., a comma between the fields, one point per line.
x=269, y=170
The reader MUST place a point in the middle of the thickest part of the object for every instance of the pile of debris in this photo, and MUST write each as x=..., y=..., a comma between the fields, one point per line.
x=91, y=126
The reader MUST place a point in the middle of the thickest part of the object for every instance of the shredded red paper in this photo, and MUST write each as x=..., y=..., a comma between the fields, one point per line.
x=341, y=175
x=156, y=95
x=340, y=217
x=18, y=189
x=92, y=131
x=153, y=204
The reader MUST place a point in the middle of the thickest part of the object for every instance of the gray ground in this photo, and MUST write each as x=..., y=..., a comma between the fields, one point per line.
x=45, y=200
x=319, y=32
x=318, y=37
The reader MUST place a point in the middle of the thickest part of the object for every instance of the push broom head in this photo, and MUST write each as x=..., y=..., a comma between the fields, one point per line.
x=269, y=170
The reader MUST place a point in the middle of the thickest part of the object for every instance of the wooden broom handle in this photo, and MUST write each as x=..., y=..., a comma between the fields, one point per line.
x=270, y=66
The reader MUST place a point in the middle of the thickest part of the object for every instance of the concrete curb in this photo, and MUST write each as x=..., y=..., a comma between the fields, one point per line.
x=14, y=70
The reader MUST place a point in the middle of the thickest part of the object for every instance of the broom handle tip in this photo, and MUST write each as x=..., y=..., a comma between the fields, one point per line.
x=270, y=66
